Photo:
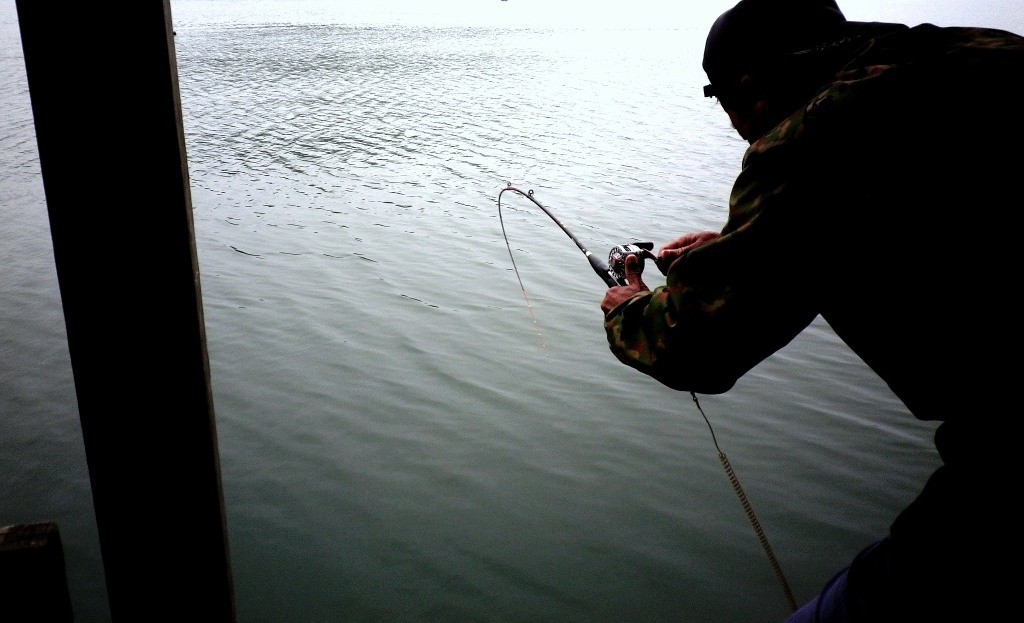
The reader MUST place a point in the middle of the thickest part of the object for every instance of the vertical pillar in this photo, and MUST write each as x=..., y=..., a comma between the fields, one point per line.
x=103, y=82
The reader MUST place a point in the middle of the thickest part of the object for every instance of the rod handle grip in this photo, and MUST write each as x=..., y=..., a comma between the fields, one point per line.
x=602, y=271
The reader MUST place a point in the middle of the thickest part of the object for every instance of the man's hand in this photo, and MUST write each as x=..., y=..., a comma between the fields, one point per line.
x=673, y=250
x=618, y=294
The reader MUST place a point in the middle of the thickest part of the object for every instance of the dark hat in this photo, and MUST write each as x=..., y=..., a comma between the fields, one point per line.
x=757, y=32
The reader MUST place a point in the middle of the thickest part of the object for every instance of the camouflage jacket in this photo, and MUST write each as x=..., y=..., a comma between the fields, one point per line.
x=878, y=205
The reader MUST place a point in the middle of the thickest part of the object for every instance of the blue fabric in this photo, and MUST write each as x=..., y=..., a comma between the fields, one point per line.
x=828, y=607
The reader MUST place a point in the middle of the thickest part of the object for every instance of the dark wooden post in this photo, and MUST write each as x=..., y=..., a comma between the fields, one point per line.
x=103, y=82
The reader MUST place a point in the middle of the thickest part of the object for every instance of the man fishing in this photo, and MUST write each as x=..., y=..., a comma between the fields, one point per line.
x=879, y=191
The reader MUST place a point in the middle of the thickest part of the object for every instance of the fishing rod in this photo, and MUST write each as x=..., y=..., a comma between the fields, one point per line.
x=614, y=272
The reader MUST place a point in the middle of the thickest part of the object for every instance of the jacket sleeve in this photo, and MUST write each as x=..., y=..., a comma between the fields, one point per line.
x=711, y=322
x=731, y=303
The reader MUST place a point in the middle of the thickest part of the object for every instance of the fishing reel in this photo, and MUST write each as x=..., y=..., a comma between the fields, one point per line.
x=617, y=259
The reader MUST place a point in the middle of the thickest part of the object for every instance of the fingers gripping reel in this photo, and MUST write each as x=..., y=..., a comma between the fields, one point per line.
x=617, y=259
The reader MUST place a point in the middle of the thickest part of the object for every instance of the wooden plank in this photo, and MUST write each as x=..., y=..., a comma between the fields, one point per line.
x=32, y=577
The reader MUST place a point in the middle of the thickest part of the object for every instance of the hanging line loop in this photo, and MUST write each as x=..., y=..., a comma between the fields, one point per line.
x=749, y=510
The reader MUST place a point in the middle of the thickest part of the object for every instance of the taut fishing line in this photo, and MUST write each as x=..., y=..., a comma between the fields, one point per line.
x=613, y=275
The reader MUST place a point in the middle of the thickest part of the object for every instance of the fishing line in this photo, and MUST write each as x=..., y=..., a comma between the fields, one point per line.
x=529, y=307
x=613, y=278
x=749, y=510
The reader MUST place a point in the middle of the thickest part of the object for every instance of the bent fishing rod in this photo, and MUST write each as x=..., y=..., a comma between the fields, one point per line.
x=613, y=274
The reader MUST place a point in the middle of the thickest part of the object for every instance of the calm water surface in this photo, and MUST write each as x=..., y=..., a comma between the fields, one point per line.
x=400, y=441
